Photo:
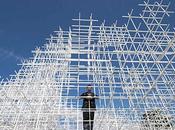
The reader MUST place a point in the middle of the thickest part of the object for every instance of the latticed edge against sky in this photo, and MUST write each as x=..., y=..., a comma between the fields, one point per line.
x=131, y=68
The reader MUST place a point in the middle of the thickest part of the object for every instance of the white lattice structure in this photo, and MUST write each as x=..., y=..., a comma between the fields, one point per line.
x=131, y=68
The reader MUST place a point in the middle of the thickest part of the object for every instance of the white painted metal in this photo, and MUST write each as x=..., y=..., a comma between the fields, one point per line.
x=131, y=67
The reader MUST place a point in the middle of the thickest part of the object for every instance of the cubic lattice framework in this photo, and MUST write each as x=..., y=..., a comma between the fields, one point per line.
x=131, y=68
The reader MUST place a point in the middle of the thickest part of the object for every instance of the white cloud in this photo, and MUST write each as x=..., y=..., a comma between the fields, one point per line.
x=5, y=54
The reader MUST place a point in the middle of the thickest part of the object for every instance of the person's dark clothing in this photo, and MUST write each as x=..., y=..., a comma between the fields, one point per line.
x=88, y=110
x=88, y=103
x=88, y=120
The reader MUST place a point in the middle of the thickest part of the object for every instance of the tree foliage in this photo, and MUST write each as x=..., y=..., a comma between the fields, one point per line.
x=155, y=119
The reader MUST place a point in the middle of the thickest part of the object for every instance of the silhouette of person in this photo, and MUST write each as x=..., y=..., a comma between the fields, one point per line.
x=88, y=107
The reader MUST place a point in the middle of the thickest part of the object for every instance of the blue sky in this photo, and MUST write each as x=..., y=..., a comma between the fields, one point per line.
x=24, y=24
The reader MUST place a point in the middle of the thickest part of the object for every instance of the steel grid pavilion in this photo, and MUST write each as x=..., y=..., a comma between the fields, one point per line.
x=131, y=68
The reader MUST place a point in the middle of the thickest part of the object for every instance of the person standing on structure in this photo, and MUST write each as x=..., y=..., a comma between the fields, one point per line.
x=88, y=108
